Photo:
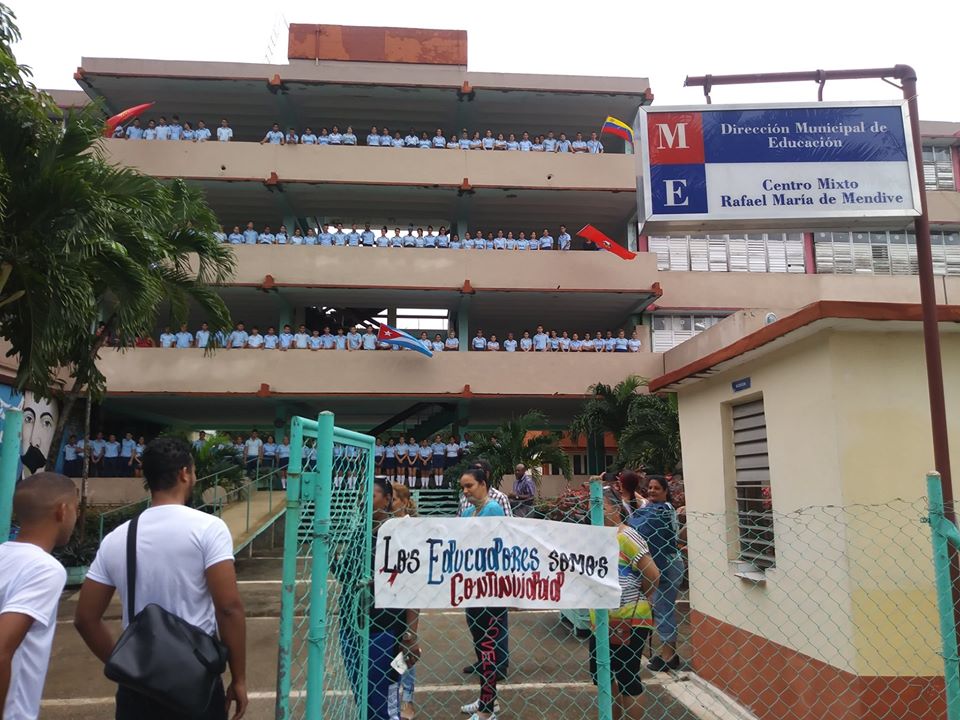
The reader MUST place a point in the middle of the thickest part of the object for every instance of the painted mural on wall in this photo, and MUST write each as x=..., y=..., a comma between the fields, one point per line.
x=39, y=422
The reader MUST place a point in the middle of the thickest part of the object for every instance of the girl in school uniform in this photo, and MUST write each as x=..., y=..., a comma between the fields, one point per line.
x=455, y=243
x=348, y=138
x=620, y=342
x=526, y=342
x=598, y=344
x=396, y=241
x=390, y=460
x=564, y=342
x=453, y=143
x=493, y=345
x=512, y=143
x=378, y=455
x=522, y=242
x=587, y=345
x=534, y=241
x=269, y=454
x=425, y=142
x=437, y=345
x=437, y=460
x=511, y=242
x=403, y=460
x=335, y=137
x=424, y=461
x=488, y=142
x=553, y=342
x=452, y=342
x=138, y=456
x=467, y=241
x=324, y=137
x=500, y=143
x=452, y=452
x=476, y=143
x=443, y=239
x=633, y=344
x=575, y=343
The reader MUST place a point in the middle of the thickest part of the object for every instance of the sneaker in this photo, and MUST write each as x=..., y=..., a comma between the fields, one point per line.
x=476, y=716
x=474, y=707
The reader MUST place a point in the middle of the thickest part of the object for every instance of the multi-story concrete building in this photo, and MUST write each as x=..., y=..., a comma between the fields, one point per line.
x=363, y=77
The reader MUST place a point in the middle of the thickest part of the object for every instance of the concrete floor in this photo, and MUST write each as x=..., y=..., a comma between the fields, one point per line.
x=548, y=663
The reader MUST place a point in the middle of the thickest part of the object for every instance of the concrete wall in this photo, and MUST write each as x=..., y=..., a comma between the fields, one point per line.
x=302, y=372
x=346, y=267
x=374, y=166
x=848, y=427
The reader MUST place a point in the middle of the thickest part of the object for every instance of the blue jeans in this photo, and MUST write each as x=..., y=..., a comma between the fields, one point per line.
x=380, y=676
x=664, y=599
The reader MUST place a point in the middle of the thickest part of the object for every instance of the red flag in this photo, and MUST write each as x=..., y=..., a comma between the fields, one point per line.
x=589, y=232
x=122, y=117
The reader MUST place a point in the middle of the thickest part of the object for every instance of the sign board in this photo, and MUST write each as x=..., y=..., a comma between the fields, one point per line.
x=434, y=562
x=762, y=167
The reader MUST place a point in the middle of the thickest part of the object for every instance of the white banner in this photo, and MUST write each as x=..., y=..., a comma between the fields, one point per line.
x=433, y=562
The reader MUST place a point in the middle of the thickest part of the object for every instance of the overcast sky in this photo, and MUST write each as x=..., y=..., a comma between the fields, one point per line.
x=664, y=41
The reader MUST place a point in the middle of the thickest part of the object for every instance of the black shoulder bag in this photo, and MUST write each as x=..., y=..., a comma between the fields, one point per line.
x=163, y=657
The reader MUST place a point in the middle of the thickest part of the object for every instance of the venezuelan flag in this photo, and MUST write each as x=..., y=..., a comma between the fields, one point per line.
x=612, y=126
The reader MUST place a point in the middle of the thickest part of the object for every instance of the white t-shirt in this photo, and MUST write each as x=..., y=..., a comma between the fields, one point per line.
x=30, y=584
x=251, y=448
x=175, y=546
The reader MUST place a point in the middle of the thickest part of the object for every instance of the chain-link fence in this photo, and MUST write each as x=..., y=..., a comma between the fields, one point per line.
x=837, y=619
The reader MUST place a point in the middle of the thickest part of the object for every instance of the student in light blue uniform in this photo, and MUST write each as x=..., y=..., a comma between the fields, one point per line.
x=500, y=242
x=301, y=339
x=455, y=243
x=255, y=339
x=291, y=138
x=563, y=239
x=511, y=241
x=610, y=342
x=339, y=237
x=540, y=340
x=266, y=237
x=335, y=137
x=163, y=130
x=512, y=143
x=549, y=142
x=286, y=338
x=409, y=240
x=235, y=237
x=349, y=138
x=202, y=339
x=385, y=139
x=367, y=238
x=189, y=134
x=369, y=340
x=325, y=238
x=238, y=337
x=443, y=239
x=452, y=342
x=546, y=240
x=633, y=344
x=281, y=237
x=575, y=343
x=425, y=143
x=534, y=241
x=563, y=145
x=479, y=342
x=553, y=344
x=311, y=237
x=522, y=242
x=202, y=133
x=500, y=143
x=510, y=344
x=579, y=145
x=479, y=241
x=315, y=342
x=134, y=131
x=167, y=338
x=353, y=238
x=430, y=240
x=396, y=241
x=621, y=343
x=354, y=339
x=397, y=141
x=324, y=137
x=412, y=140
x=564, y=343
x=308, y=138
x=128, y=449
x=270, y=340
x=250, y=235
x=437, y=344
x=594, y=146
x=453, y=143
x=525, y=144
x=468, y=243
x=439, y=141
x=150, y=132
x=184, y=337
x=493, y=345
x=464, y=141
x=328, y=339
x=274, y=136
x=373, y=137
x=297, y=237
x=488, y=142
x=175, y=128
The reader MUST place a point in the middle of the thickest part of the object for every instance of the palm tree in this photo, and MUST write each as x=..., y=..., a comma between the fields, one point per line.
x=515, y=442
x=608, y=410
x=82, y=241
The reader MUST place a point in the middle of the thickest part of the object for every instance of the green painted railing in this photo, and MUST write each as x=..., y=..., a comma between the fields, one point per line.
x=944, y=534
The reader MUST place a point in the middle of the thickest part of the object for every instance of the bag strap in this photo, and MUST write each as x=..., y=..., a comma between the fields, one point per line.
x=131, y=566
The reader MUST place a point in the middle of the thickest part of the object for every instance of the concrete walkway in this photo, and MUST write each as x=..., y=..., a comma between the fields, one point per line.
x=247, y=518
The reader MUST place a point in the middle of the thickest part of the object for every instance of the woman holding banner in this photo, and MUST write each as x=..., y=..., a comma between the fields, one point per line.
x=487, y=625
x=630, y=624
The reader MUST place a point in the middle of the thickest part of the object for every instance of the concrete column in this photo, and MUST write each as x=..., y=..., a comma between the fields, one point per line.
x=463, y=323
x=809, y=254
x=287, y=312
x=632, y=234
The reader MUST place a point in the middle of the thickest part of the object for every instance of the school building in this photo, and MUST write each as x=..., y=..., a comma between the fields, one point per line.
x=823, y=325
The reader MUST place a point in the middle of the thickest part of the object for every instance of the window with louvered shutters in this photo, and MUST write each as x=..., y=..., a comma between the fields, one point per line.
x=752, y=486
x=938, y=168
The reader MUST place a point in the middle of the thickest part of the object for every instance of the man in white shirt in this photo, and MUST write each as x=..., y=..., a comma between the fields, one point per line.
x=252, y=451
x=30, y=585
x=184, y=564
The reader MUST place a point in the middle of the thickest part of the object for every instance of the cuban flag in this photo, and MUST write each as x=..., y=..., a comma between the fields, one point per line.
x=589, y=232
x=392, y=336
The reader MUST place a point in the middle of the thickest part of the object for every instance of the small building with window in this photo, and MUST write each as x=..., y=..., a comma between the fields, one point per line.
x=806, y=439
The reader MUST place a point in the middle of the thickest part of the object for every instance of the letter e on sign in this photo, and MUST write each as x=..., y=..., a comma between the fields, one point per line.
x=675, y=138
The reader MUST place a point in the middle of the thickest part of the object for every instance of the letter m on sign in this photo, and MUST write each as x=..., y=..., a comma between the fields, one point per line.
x=675, y=138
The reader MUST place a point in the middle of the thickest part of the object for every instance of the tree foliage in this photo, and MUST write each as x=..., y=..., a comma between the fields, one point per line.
x=517, y=441
x=82, y=240
x=646, y=427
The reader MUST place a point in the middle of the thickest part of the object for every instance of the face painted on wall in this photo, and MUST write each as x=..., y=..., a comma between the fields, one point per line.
x=39, y=422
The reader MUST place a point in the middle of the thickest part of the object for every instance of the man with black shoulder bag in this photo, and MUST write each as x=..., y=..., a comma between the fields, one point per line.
x=183, y=618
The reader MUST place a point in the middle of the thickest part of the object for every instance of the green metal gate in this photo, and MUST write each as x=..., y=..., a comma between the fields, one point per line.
x=327, y=573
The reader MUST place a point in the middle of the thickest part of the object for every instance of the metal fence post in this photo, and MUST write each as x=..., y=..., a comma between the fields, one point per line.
x=602, y=623
x=321, y=565
x=9, y=467
x=943, y=532
x=288, y=592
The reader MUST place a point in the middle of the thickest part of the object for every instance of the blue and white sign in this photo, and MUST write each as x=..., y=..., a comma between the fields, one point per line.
x=802, y=166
